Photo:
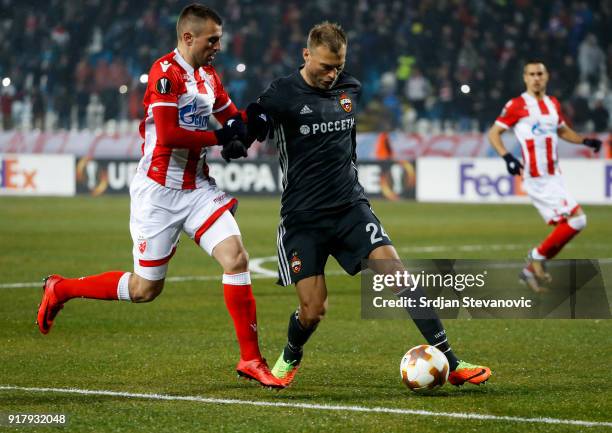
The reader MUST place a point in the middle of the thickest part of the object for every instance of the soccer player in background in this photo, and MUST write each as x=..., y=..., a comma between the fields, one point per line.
x=538, y=124
x=172, y=191
x=324, y=210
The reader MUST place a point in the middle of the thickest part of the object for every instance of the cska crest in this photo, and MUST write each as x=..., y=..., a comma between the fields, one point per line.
x=346, y=103
x=296, y=263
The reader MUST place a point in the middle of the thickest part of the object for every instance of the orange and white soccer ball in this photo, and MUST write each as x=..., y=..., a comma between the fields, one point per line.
x=424, y=368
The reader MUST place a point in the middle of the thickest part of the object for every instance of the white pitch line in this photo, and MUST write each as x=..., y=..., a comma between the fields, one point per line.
x=259, y=272
x=255, y=265
x=178, y=279
x=443, y=248
x=340, y=408
x=20, y=285
x=482, y=247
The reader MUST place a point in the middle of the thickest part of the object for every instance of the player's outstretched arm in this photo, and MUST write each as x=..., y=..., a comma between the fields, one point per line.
x=170, y=134
x=568, y=134
x=513, y=165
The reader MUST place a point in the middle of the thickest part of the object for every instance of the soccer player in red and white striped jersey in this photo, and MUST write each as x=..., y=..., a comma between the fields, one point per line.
x=172, y=191
x=538, y=123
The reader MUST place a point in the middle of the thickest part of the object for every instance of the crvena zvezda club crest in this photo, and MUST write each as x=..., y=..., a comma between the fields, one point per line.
x=296, y=263
x=142, y=246
x=346, y=103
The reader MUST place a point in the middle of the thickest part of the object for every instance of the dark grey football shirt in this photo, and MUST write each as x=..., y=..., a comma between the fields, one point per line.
x=314, y=130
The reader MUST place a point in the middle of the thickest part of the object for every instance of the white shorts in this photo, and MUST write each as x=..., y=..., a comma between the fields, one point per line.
x=550, y=198
x=158, y=215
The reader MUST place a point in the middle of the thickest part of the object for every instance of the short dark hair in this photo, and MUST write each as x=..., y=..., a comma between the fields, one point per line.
x=329, y=34
x=198, y=11
x=533, y=61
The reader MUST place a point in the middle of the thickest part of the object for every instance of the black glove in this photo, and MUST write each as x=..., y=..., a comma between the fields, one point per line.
x=258, y=123
x=234, y=128
x=593, y=143
x=513, y=165
x=233, y=149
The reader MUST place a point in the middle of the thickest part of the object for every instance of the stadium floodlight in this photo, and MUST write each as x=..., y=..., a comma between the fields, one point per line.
x=241, y=67
x=144, y=78
x=6, y=81
x=465, y=88
x=123, y=89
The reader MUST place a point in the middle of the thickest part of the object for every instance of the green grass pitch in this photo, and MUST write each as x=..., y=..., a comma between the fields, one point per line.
x=183, y=343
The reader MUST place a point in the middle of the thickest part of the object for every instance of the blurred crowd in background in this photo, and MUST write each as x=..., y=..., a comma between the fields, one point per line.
x=428, y=65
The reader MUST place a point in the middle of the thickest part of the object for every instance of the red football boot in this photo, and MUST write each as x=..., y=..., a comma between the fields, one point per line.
x=466, y=372
x=257, y=369
x=50, y=305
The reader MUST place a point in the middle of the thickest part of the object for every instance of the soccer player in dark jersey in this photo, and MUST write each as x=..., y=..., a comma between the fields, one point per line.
x=324, y=210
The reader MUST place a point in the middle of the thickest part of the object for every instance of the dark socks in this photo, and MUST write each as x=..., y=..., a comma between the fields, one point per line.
x=297, y=336
x=430, y=327
x=435, y=334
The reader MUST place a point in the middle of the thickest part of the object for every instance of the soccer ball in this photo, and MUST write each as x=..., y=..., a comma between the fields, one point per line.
x=424, y=368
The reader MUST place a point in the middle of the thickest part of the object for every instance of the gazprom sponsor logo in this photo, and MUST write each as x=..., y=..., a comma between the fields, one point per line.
x=539, y=129
x=188, y=116
x=485, y=185
x=326, y=127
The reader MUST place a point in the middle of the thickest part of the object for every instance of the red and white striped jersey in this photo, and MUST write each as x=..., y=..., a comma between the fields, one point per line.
x=197, y=94
x=535, y=123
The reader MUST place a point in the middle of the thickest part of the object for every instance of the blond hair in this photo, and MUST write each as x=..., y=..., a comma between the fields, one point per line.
x=329, y=34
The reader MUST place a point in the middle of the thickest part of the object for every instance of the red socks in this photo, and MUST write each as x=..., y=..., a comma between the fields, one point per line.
x=555, y=241
x=236, y=289
x=102, y=286
x=241, y=306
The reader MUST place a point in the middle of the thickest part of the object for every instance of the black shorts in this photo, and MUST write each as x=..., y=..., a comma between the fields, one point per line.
x=307, y=239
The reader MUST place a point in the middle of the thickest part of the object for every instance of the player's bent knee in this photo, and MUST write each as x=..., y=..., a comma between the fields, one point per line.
x=241, y=260
x=578, y=222
x=143, y=290
x=311, y=315
x=232, y=255
x=236, y=262
x=145, y=296
x=309, y=322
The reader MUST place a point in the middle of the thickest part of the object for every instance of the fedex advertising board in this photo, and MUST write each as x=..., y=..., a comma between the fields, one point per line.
x=37, y=174
x=485, y=180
